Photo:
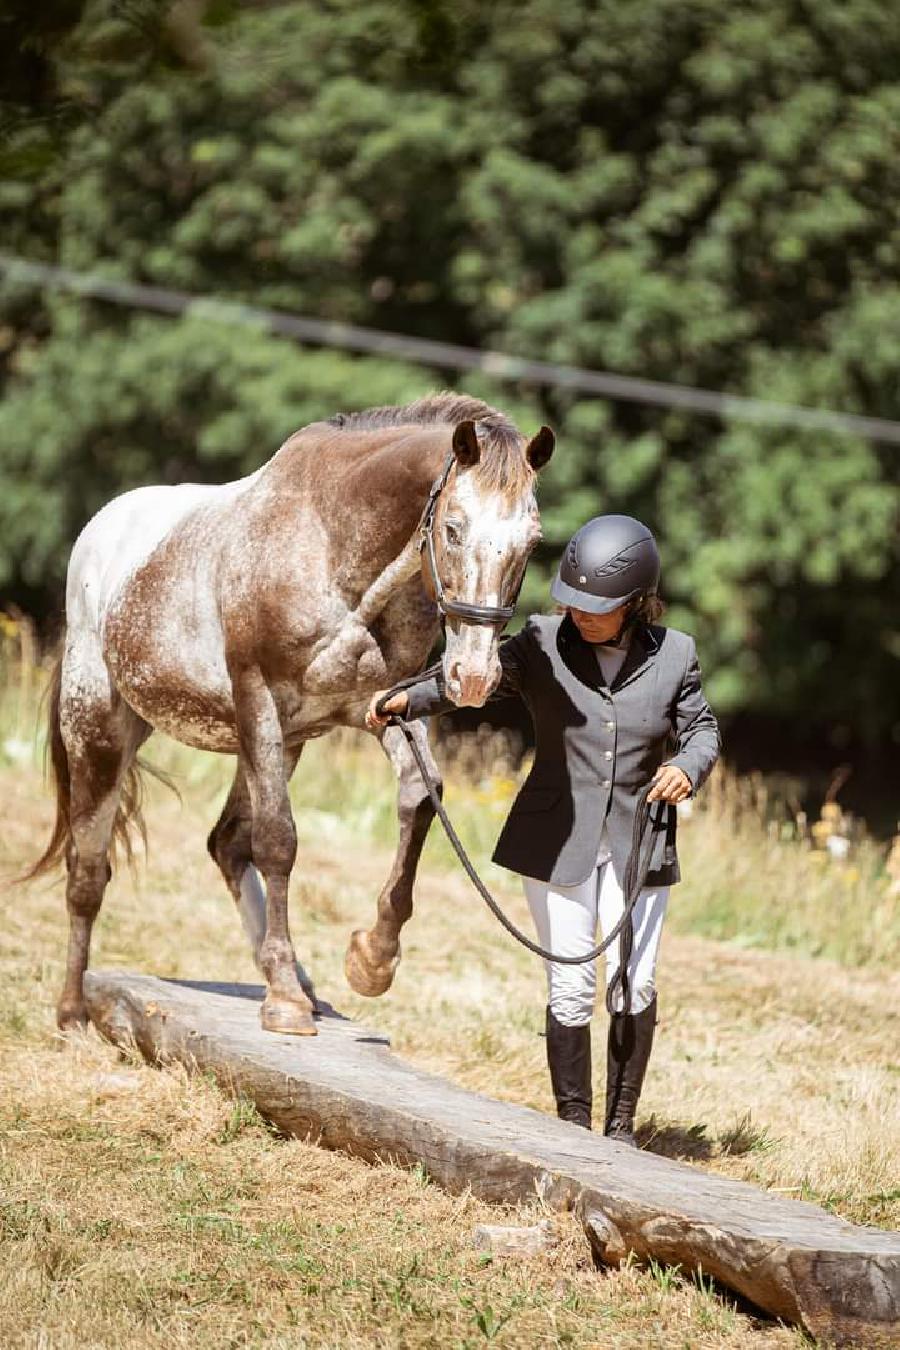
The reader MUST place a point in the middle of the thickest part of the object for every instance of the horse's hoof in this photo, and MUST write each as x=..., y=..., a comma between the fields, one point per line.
x=363, y=974
x=287, y=1018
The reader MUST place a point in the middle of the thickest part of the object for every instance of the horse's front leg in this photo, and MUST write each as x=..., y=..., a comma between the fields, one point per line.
x=273, y=843
x=373, y=955
x=231, y=849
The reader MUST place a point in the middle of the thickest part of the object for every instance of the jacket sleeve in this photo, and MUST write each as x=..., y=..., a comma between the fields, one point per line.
x=698, y=741
x=428, y=698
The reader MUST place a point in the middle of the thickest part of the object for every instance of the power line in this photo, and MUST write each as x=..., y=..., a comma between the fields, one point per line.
x=447, y=355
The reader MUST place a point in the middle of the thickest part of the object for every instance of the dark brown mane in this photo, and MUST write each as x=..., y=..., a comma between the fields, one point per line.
x=502, y=468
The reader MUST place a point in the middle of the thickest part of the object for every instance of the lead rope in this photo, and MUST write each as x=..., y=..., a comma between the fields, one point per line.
x=635, y=869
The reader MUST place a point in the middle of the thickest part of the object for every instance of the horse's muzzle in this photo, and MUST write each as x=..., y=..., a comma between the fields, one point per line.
x=469, y=688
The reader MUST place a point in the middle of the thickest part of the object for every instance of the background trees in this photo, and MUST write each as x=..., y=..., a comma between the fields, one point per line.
x=684, y=189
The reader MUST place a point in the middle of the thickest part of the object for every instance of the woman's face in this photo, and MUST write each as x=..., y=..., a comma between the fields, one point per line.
x=599, y=627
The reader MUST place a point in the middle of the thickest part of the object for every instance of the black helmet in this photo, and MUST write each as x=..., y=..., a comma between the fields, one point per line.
x=610, y=560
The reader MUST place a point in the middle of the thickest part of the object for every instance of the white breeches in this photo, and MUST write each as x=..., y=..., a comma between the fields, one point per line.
x=566, y=920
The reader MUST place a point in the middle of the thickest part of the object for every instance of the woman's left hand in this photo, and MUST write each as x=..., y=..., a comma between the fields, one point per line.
x=670, y=784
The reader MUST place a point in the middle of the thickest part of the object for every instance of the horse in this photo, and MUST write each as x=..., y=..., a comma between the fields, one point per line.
x=249, y=617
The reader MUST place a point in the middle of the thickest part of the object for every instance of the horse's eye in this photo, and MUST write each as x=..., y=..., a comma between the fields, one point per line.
x=453, y=533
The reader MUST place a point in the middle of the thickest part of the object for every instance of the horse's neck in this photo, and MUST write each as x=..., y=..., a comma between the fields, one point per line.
x=367, y=486
x=369, y=490
x=369, y=493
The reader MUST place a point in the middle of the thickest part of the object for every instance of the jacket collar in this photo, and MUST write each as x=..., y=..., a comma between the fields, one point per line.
x=579, y=656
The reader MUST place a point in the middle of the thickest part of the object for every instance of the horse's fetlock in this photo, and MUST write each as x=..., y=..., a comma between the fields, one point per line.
x=274, y=955
x=394, y=910
x=71, y=1015
x=383, y=948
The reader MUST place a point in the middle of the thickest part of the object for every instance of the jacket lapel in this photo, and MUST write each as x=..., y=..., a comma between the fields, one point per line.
x=641, y=655
x=582, y=662
x=577, y=655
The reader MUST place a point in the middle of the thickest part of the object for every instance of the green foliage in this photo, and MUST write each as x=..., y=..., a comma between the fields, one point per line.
x=155, y=402
x=695, y=192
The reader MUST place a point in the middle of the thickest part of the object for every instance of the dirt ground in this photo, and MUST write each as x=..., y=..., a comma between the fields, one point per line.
x=144, y=1208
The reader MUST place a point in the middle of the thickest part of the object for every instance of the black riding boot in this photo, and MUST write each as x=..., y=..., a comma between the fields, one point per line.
x=569, y=1058
x=628, y=1050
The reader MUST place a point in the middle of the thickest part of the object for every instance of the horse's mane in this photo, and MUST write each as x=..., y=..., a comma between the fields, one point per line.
x=503, y=467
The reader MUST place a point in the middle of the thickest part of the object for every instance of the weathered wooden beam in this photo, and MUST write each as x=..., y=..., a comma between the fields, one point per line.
x=347, y=1090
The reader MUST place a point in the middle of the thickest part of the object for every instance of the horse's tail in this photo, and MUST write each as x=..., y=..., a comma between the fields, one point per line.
x=55, y=851
x=130, y=811
x=129, y=817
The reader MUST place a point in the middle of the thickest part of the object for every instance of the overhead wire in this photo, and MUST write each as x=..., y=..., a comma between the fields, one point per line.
x=447, y=355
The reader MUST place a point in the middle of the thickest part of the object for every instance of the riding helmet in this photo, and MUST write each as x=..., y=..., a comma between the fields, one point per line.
x=610, y=560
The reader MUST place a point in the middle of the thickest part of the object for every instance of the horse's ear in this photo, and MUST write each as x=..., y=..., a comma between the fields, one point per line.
x=540, y=448
x=465, y=445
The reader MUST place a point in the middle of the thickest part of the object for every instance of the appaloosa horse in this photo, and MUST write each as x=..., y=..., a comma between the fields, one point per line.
x=250, y=617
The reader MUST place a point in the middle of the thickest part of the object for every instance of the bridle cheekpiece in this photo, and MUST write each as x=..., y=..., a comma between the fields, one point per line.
x=497, y=615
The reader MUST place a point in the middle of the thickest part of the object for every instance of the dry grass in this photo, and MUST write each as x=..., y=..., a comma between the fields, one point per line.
x=144, y=1208
x=756, y=878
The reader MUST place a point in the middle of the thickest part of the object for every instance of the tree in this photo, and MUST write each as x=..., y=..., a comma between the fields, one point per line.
x=682, y=189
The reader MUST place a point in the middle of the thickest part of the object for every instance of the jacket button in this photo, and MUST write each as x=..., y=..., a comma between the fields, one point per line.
x=606, y=783
x=607, y=754
x=610, y=726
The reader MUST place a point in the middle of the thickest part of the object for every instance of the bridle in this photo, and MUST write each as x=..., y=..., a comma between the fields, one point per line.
x=496, y=615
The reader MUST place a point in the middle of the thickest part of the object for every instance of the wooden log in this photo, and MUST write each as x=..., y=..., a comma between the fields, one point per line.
x=348, y=1091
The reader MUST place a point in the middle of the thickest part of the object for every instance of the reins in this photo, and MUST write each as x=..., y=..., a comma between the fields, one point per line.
x=635, y=869
x=638, y=862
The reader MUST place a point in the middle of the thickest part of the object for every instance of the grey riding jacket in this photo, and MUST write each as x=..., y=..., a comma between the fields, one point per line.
x=596, y=745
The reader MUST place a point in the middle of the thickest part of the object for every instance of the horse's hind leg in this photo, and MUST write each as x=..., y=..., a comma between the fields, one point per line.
x=101, y=735
x=372, y=957
x=273, y=848
x=229, y=845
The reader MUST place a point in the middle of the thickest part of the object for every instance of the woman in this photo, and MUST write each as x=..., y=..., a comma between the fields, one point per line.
x=610, y=694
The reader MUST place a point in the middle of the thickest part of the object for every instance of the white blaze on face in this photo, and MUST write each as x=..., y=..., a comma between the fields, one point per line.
x=482, y=543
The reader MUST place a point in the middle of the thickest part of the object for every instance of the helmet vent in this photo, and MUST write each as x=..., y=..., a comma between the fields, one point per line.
x=620, y=562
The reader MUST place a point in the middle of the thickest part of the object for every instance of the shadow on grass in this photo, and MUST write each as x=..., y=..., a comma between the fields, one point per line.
x=675, y=1141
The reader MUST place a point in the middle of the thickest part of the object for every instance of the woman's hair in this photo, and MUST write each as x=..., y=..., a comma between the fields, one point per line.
x=648, y=609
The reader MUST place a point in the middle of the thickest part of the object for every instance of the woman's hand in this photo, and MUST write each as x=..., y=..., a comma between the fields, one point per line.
x=670, y=784
x=398, y=704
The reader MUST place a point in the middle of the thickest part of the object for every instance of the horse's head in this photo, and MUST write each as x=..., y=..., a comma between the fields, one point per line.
x=485, y=525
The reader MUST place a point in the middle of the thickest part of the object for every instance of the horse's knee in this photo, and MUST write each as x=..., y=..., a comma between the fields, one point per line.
x=414, y=800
